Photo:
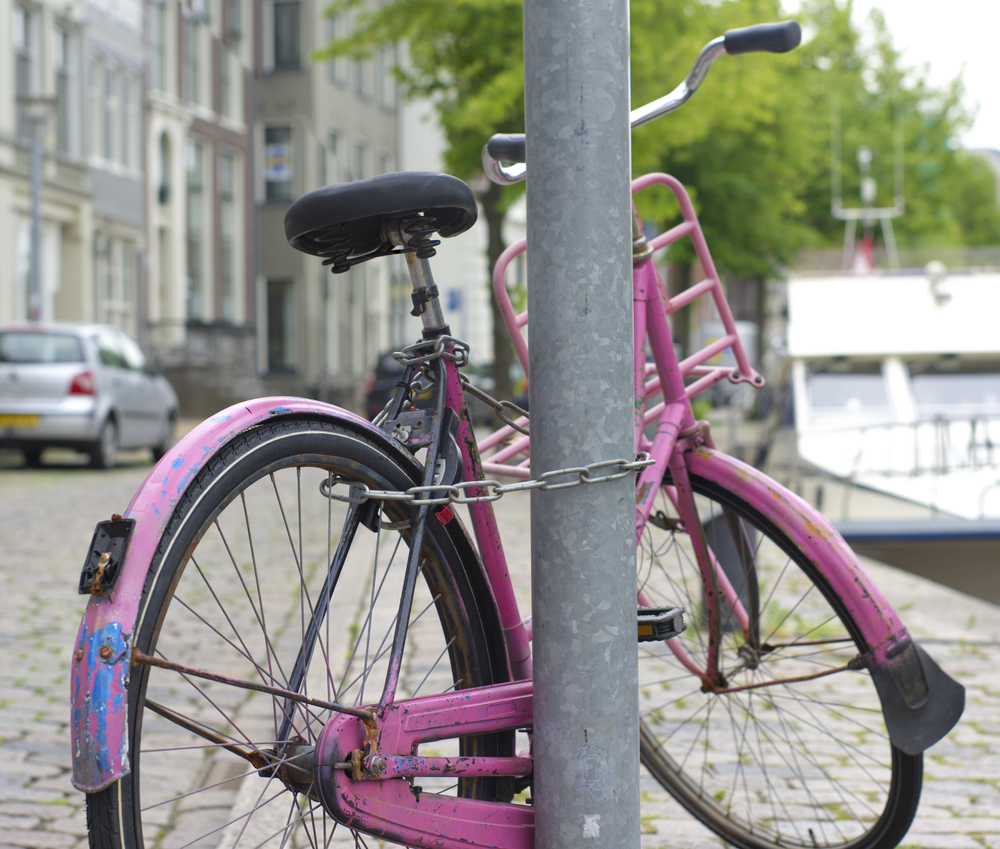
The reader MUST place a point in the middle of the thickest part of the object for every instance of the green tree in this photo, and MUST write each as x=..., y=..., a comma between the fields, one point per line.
x=740, y=145
x=753, y=147
x=861, y=95
x=466, y=57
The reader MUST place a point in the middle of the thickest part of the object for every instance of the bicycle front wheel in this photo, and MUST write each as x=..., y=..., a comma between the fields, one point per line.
x=774, y=755
x=245, y=585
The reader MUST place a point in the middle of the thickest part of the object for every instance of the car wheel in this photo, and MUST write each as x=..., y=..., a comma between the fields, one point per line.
x=166, y=439
x=105, y=451
x=32, y=457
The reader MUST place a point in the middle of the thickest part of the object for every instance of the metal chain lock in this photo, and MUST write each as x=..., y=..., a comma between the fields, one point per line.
x=455, y=494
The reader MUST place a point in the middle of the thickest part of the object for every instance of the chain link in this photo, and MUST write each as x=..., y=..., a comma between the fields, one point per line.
x=507, y=411
x=455, y=494
x=417, y=354
x=499, y=407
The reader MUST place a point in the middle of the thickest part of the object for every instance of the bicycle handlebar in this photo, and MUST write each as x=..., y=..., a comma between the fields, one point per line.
x=770, y=38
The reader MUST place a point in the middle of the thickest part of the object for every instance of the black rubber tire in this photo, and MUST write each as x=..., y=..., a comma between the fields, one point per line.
x=795, y=764
x=32, y=457
x=186, y=796
x=104, y=452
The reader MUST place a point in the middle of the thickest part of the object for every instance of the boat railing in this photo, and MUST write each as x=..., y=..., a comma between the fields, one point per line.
x=933, y=445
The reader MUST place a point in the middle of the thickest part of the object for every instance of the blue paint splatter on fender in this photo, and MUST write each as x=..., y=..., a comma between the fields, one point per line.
x=107, y=655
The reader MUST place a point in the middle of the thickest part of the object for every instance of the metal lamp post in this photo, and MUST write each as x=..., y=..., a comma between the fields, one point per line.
x=36, y=112
x=586, y=779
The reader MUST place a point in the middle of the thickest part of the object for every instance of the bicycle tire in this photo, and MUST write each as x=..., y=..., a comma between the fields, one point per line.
x=234, y=585
x=793, y=764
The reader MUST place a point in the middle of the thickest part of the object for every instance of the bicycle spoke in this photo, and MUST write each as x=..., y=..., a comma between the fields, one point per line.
x=791, y=750
x=272, y=610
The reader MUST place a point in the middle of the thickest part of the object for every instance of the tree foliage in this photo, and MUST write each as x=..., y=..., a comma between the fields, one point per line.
x=753, y=146
x=754, y=143
x=466, y=56
x=863, y=83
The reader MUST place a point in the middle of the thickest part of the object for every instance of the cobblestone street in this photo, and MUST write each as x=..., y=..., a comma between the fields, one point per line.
x=47, y=516
x=46, y=520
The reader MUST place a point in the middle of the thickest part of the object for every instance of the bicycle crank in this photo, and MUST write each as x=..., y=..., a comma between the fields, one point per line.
x=377, y=795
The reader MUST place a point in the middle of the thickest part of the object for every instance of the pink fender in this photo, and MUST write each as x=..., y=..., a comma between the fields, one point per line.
x=817, y=538
x=919, y=701
x=100, y=665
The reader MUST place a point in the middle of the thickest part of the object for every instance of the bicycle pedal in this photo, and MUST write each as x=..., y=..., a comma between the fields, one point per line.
x=660, y=623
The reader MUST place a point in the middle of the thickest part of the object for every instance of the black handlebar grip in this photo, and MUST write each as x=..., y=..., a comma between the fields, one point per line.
x=507, y=147
x=772, y=38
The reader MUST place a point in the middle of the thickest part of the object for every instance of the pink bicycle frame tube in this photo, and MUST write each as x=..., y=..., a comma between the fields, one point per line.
x=391, y=809
x=487, y=534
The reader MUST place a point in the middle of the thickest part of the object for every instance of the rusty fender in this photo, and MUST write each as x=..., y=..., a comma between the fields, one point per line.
x=102, y=656
x=920, y=702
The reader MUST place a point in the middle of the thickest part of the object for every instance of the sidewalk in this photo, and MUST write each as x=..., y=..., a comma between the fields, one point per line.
x=960, y=805
x=47, y=518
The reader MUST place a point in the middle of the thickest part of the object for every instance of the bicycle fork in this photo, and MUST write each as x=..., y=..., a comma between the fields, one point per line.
x=676, y=432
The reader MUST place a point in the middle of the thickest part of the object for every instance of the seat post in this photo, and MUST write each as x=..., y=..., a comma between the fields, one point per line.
x=426, y=303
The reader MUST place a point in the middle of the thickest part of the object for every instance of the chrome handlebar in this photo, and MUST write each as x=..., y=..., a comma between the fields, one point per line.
x=773, y=38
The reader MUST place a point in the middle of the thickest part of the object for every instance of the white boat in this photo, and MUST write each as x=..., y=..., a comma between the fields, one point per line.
x=896, y=385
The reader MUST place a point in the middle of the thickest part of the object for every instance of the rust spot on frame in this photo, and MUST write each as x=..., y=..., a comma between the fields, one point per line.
x=818, y=531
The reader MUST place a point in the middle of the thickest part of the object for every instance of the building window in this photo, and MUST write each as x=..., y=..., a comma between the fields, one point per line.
x=278, y=163
x=387, y=76
x=333, y=151
x=25, y=60
x=360, y=170
x=224, y=106
x=193, y=70
x=164, y=164
x=196, y=301
x=364, y=71
x=336, y=69
x=115, y=274
x=158, y=45
x=129, y=155
x=96, y=107
x=286, y=35
x=227, y=235
x=235, y=23
x=65, y=96
x=280, y=326
x=111, y=116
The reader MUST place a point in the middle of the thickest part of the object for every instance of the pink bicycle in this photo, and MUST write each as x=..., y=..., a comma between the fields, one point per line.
x=291, y=638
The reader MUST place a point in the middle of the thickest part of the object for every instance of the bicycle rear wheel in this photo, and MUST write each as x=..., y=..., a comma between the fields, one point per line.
x=240, y=587
x=792, y=763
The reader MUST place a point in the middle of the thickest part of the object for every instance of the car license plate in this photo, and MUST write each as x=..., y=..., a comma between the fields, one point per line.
x=19, y=420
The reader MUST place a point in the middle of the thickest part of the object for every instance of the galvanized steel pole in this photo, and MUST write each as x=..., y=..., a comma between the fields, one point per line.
x=36, y=110
x=586, y=740
x=37, y=121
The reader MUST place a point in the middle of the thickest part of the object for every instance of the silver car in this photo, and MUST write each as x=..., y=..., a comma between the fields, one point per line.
x=82, y=386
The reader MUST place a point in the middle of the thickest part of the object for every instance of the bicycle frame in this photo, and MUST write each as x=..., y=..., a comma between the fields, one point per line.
x=390, y=733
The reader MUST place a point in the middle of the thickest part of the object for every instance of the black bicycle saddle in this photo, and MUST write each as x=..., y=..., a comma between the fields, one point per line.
x=349, y=223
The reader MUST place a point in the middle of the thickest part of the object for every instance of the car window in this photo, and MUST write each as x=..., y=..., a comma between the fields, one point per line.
x=135, y=359
x=109, y=351
x=39, y=347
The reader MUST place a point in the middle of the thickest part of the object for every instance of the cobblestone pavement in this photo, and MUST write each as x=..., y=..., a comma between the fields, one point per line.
x=47, y=516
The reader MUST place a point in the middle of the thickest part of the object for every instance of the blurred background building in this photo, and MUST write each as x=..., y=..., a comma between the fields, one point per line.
x=175, y=133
